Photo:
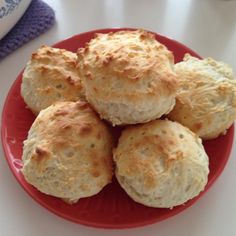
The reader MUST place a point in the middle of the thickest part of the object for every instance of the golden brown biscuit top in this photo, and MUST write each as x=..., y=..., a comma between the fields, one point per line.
x=153, y=150
x=54, y=56
x=56, y=65
x=206, y=96
x=206, y=88
x=72, y=134
x=127, y=60
x=51, y=76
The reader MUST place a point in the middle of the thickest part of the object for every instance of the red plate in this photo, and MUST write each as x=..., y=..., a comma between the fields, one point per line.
x=111, y=208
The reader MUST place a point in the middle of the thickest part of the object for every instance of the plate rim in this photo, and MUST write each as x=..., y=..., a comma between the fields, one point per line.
x=84, y=222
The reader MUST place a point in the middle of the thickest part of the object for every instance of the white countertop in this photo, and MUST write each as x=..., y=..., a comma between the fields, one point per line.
x=209, y=28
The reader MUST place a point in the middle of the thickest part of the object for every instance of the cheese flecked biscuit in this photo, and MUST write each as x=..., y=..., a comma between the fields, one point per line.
x=50, y=76
x=128, y=76
x=68, y=152
x=161, y=163
x=206, y=98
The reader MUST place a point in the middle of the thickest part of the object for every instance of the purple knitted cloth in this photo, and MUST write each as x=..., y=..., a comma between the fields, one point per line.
x=36, y=20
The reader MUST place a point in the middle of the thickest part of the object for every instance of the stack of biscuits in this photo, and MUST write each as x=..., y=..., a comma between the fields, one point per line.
x=126, y=79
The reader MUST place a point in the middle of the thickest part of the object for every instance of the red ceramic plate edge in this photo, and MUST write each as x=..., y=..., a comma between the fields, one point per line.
x=109, y=226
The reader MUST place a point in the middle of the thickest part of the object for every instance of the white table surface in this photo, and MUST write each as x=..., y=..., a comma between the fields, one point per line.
x=209, y=28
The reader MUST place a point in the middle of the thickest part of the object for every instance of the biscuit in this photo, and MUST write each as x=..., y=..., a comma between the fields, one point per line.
x=50, y=76
x=128, y=76
x=161, y=163
x=206, y=99
x=68, y=152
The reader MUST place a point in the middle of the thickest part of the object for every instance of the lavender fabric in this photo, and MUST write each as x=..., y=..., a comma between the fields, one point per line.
x=36, y=20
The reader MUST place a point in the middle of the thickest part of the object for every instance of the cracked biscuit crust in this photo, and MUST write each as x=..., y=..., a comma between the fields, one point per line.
x=128, y=76
x=68, y=152
x=161, y=163
x=206, y=98
x=50, y=76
